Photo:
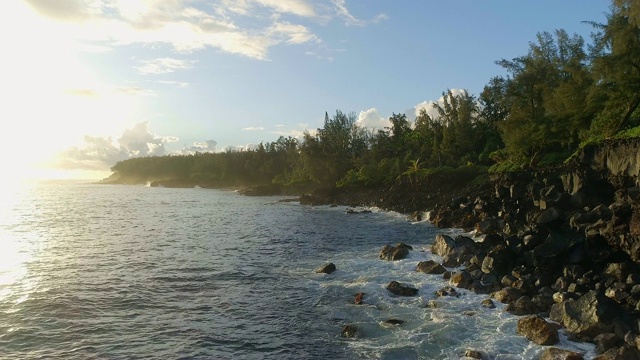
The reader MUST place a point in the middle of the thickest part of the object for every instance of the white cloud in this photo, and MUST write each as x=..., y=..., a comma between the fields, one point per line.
x=74, y=10
x=372, y=119
x=176, y=83
x=101, y=153
x=343, y=11
x=296, y=132
x=140, y=142
x=163, y=66
x=132, y=91
x=253, y=128
x=427, y=105
x=235, y=148
x=292, y=33
x=295, y=7
x=208, y=146
x=244, y=27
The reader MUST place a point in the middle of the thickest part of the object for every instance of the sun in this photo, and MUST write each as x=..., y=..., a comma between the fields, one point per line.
x=52, y=97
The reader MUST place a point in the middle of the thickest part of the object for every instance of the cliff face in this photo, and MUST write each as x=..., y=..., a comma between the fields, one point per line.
x=618, y=161
x=568, y=238
x=595, y=197
x=616, y=164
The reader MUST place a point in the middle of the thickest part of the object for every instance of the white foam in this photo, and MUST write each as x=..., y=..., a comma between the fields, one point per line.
x=457, y=324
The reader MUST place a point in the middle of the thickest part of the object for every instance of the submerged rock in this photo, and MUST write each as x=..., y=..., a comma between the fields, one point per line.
x=447, y=291
x=475, y=354
x=358, y=298
x=327, y=268
x=349, y=331
x=401, y=290
x=394, y=321
x=487, y=303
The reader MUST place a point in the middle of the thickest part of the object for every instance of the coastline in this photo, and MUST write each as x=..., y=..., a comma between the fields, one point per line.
x=560, y=243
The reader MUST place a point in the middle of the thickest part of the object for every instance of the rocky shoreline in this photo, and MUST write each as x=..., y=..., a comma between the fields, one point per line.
x=560, y=244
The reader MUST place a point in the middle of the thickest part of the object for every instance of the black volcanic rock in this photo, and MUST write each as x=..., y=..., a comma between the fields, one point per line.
x=401, y=290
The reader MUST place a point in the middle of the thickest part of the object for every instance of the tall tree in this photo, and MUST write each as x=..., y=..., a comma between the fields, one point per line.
x=616, y=66
x=545, y=96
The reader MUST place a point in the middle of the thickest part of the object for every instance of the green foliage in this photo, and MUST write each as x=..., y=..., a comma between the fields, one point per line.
x=629, y=133
x=554, y=159
x=555, y=99
x=510, y=165
x=545, y=97
x=616, y=67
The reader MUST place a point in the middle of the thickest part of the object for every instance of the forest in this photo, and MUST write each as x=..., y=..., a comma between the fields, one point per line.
x=562, y=94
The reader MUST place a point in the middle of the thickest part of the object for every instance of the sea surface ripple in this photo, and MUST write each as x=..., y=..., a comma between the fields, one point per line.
x=93, y=271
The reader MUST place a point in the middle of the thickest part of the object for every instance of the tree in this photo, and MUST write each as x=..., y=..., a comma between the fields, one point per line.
x=616, y=67
x=545, y=97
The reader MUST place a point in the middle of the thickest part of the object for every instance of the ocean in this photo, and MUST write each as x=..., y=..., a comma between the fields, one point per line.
x=91, y=271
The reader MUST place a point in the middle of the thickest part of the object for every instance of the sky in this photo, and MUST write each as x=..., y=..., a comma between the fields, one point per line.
x=87, y=83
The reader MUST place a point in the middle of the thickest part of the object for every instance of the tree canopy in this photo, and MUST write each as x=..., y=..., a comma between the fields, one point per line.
x=561, y=94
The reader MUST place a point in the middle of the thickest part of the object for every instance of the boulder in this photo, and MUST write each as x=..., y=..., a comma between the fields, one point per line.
x=621, y=353
x=550, y=217
x=538, y=330
x=349, y=331
x=430, y=267
x=487, y=303
x=475, y=354
x=358, y=298
x=507, y=295
x=394, y=321
x=461, y=279
x=447, y=291
x=398, y=252
x=560, y=354
x=522, y=306
x=588, y=316
x=606, y=341
x=327, y=268
x=443, y=245
x=497, y=260
x=401, y=290
x=550, y=253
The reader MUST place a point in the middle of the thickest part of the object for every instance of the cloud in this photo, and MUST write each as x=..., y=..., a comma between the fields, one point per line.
x=343, y=11
x=372, y=119
x=247, y=147
x=427, y=105
x=295, y=132
x=83, y=92
x=295, y=7
x=320, y=57
x=96, y=154
x=100, y=91
x=163, y=66
x=208, y=146
x=74, y=10
x=253, y=128
x=292, y=34
x=101, y=153
x=132, y=91
x=176, y=83
x=243, y=27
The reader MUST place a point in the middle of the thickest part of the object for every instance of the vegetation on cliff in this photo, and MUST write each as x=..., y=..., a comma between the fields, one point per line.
x=562, y=94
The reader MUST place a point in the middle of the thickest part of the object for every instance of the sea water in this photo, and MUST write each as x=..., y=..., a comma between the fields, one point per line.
x=91, y=271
